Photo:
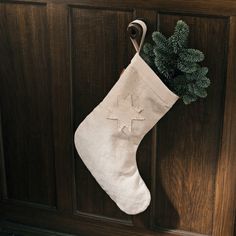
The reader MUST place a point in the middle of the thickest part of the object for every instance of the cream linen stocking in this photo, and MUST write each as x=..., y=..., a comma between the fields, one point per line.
x=108, y=138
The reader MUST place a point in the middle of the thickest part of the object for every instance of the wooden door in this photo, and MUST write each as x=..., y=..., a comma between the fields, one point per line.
x=58, y=59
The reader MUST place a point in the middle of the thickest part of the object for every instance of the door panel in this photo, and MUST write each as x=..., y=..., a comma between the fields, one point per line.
x=26, y=104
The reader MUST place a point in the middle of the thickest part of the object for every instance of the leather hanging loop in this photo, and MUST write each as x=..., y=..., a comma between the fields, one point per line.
x=136, y=29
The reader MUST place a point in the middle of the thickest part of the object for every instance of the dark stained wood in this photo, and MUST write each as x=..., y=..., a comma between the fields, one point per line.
x=58, y=21
x=225, y=194
x=58, y=60
x=82, y=227
x=189, y=137
x=26, y=103
x=207, y=7
x=3, y=182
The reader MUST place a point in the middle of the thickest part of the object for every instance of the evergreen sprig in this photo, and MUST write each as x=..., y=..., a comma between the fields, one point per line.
x=177, y=65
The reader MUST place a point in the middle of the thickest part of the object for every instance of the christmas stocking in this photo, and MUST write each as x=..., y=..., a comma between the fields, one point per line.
x=108, y=138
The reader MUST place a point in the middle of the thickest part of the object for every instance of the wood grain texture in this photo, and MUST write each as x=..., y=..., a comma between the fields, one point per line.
x=188, y=137
x=3, y=181
x=207, y=7
x=74, y=224
x=58, y=22
x=226, y=165
x=25, y=98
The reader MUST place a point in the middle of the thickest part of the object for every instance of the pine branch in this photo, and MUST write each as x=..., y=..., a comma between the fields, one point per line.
x=180, y=37
x=200, y=92
x=161, y=42
x=186, y=67
x=191, y=55
x=198, y=74
x=187, y=99
x=148, y=49
x=203, y=82
x=176, y=64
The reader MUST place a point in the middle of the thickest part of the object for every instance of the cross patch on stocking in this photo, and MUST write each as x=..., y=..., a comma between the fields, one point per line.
x=124, y=113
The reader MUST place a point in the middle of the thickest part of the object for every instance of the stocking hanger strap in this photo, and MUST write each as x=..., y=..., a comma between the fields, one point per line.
x=144, y=31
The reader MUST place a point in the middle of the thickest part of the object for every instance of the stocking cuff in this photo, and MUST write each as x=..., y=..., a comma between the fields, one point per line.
x=150, y=77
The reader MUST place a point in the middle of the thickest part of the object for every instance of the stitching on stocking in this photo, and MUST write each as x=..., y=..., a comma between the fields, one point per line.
x=125, y=113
